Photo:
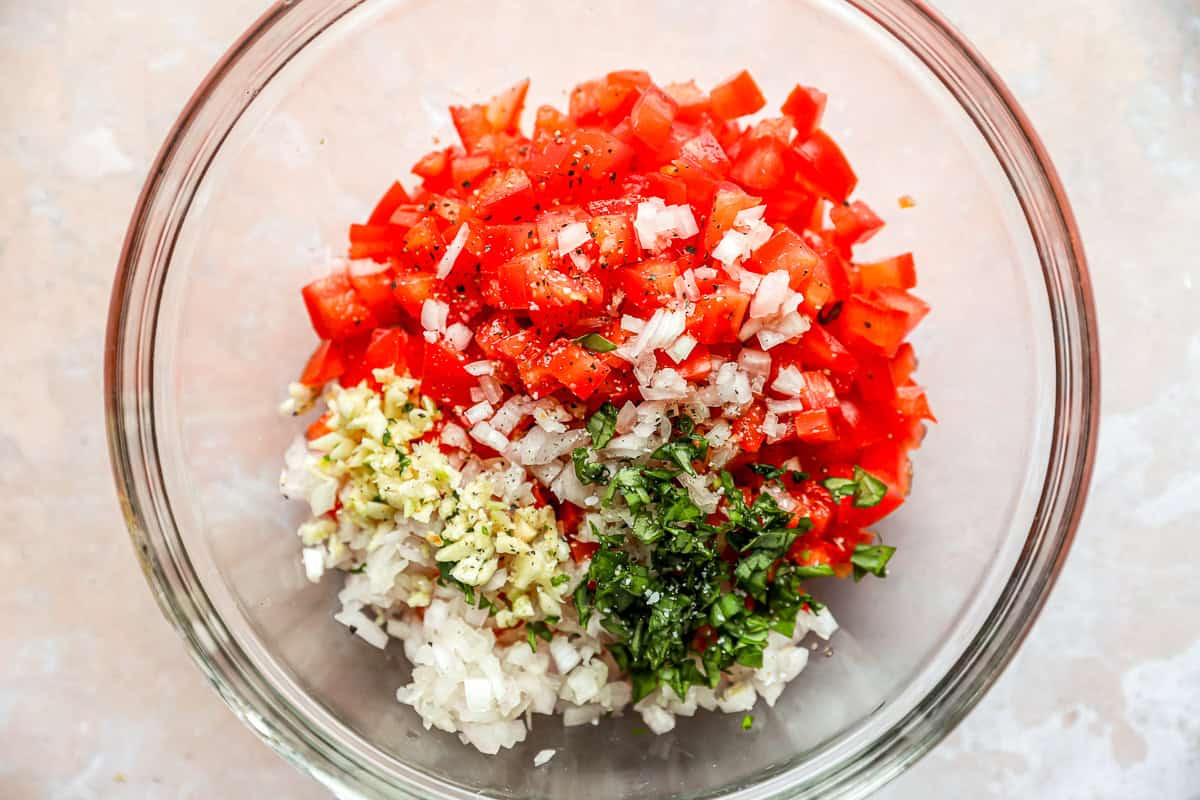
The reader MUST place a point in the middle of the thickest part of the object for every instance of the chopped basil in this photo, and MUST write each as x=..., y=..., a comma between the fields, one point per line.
x=560, y=579
x=588, y=471
x=814, y=571
x=767, y=471
x=865, y=488
x=602, y=425
x=747, y=722
x=871, y=559
x=596, y=343
x=538, y=630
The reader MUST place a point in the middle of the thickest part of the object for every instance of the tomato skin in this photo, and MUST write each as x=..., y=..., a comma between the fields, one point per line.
x=582, y=551
x=786, y=250
x=737, y=97
x=615, y=239
x=748, y=427
x=727, y=202
x=580, y=370
x=388, y=347
x=376, y=241
x=821, y=162
x=505, y=196
x=323, y=365
x=805, y=107
x=761, y=165
x=814, y=425
x=373, y=283
x=335, y=309
x=892, y=273
x=651, y=117
x=649, y=284
x=443, y=378
x=718, y=316
x=412, y=289
x=690, y=100
x=392, y=199
x=854, y=224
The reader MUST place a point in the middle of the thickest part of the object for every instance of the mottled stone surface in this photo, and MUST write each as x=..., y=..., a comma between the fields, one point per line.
x=97, y=696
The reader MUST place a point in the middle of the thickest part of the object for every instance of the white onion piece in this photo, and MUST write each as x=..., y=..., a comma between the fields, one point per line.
x=772, y=291
x=487, y=435
x=706, y=273
x=477, y=394
x=667, y=384
x=572, y=237
x=732, y=249
x=755, y=362
x=789, y=406
x=789, y=381
x=748, y=216
x=455, y=436
x=479, y=412
x=446, y=264
x=626, y=417
x=632, y=324
x=479, y=368
x=434, y=314
x=691, y=288
x=458, y=336
x=682, y=347
x=492, y=391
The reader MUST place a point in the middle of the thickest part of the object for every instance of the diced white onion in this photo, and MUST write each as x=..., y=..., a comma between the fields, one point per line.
x=478, y=368
x=492, y=391
x=513, y=411
x=572, y=236
x=580, y=260
x=434, y=314
x=733, y=248
x=755, y=362
x=455, y=436
x=446, y=264
x=691, y=288
x=458, y=336
x=705, y=273
x=632, y=324
x=748, y=216
x=682, y=348
x=477, y=394
x=789, y=381
x=314, y=563
x=749, y=328
x=487, y=435
x=479, y=412
x=772, y=291
x=685, y=222
x=626, y=417
x=667, y=384
x=789, y=406
x=748, y=282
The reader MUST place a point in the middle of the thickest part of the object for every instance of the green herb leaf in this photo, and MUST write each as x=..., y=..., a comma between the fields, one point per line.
x=767, y=471
x=537, y=630
x=560, y=579
x=747, y=722
x=602, y=425
x=865, y=488
x=588, y=471
x=871, y=559
x=814, y=571
x=596, y=343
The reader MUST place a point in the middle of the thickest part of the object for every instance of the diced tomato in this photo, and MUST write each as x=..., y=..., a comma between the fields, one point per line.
x=822, y=164
x=412, y=289
x=690, y=100
x=466, y=169
x=600, y=154
x=373, y=283
x=903, y=364
x=443, y=378
x=490, y=334
x=505, y=196
x=748, y=427
x=727, y=202
x=697, y=366
x=814, y=425
x=761, y=165
x=892, y=273
x=578, y=369
x=786, y=250
x=615, y=239
x=553, y=220
x=503, y=112
x=582, y=551
x=805, y=106
x=323, y=365
x=737, y=97
x=318, y=428
x=822, y=350
x=818, y=391
x=875, y=382
x=911, y=402
x=718, y=316
x=432, y=165
x=854, y=224
x=913, y=308
x=376, y=241
x=388, y=347
x=704, y=153
x=533, y=364
x=652, y=116
x=392, y=199
x=649, y=284
x=423, y=244
x=335, y=309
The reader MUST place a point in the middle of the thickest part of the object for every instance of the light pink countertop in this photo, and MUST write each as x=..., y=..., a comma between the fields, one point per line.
x=97, y=696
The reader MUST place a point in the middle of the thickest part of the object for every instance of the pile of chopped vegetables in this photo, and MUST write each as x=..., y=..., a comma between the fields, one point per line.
x=620, y=378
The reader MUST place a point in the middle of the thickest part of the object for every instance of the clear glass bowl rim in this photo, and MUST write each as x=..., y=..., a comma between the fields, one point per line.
x=216, y=106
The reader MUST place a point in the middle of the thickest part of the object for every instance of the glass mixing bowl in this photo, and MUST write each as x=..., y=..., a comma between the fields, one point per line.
x=308, y=118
